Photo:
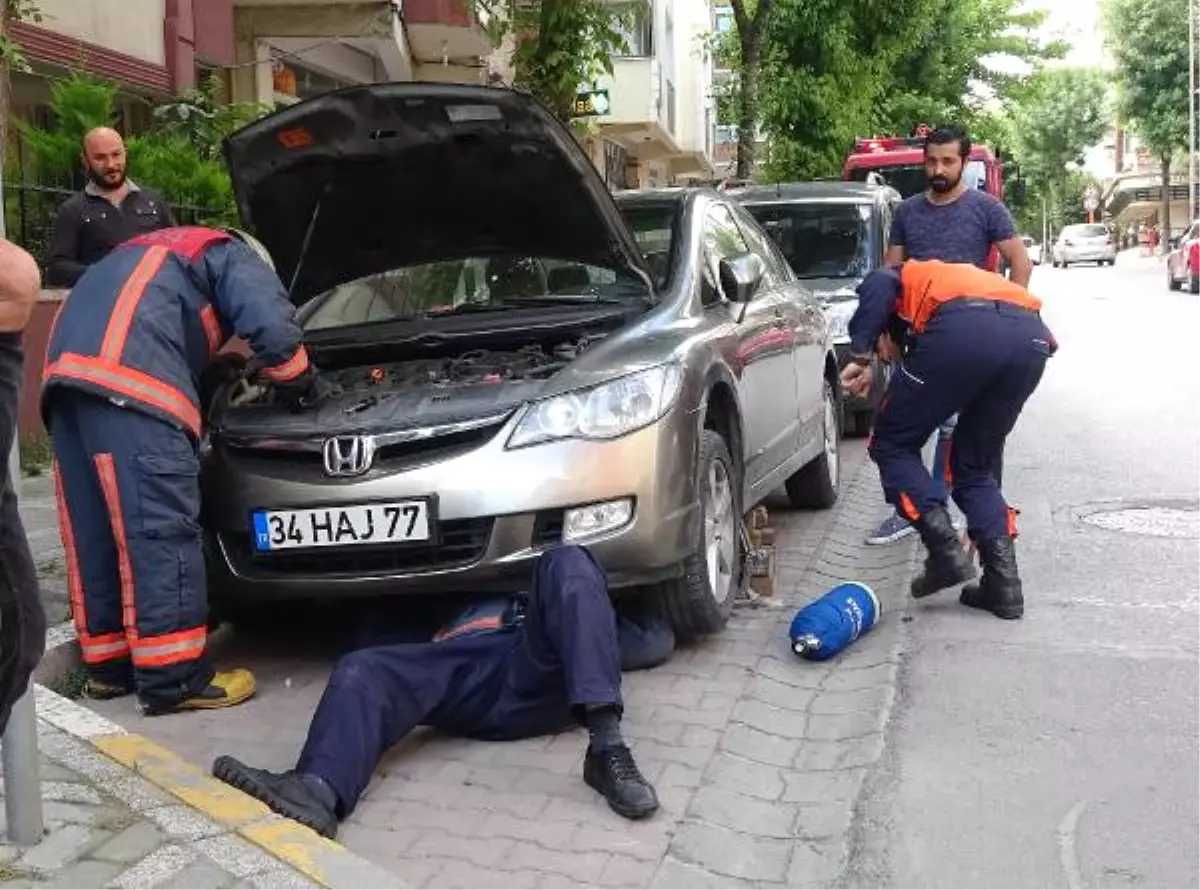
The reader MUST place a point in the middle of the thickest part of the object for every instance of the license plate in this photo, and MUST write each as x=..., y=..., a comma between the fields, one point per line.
x=399, y=522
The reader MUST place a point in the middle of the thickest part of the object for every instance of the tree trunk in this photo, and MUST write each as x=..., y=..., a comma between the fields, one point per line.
x=4, y=85
x=1164, y=213
x=748, y=112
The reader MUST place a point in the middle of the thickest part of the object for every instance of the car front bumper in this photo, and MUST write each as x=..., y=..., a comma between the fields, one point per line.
x=1089, y=254
x=496, y=511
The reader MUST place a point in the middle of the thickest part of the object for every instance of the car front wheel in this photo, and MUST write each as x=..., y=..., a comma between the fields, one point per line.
x=1171, y=282
x=816, y=484
x=700, y=602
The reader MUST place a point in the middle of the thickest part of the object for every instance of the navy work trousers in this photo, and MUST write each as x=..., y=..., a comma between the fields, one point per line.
x=981, y=359
x=129, y=515
x=517, y=683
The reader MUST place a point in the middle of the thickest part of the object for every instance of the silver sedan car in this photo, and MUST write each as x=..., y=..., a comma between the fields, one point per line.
x=518, y=360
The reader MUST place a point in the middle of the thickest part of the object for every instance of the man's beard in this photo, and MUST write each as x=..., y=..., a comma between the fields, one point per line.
x=101, y=182
x=942, y=184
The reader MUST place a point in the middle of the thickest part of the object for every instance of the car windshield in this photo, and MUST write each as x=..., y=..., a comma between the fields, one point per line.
x=820, y=240
x=653, y=227
x=909, y=179
x=1085, y=231
x=476, y=284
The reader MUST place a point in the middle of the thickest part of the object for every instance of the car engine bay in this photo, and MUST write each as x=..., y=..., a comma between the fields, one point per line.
x=403, y=393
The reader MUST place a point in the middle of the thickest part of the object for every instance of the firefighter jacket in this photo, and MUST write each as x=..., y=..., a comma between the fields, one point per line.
x=913, y=293
x=141, y=325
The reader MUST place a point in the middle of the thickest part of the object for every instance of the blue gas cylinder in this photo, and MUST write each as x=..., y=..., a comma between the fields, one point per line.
x=826, y=626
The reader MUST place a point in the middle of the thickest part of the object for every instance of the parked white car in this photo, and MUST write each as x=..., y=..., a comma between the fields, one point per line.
x=1085, y=243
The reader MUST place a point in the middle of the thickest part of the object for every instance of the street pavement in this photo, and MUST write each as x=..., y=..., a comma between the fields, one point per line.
x=946, y=748
x=1061, y=750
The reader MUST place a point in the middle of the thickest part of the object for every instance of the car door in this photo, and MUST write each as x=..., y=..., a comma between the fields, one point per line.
x=806, y=323
x=762, y=357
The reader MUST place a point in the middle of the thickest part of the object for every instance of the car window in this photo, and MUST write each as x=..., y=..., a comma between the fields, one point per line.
x=723, y=240
x=1085, y=231
x=820, y=239
x=760, y=243
x=476, y=284
x=654, y=227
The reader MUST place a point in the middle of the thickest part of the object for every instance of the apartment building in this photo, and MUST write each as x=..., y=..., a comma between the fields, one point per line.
x=660, y=122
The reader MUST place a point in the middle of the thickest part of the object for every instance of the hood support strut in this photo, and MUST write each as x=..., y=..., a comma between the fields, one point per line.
x=308, y=233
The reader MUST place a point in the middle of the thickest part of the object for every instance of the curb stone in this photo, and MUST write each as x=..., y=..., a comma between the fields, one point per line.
x=210, y=803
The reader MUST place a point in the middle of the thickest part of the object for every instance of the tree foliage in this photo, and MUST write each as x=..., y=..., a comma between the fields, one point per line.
x=560, y=45
x=1149, y=43
x=1063, y=113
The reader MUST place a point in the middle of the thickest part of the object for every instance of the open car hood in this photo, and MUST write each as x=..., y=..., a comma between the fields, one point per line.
x=403, y=174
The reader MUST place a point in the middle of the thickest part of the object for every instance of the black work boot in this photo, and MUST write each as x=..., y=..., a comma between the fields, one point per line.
x=612, y=772
x=305, y=799
x=999, y=590
x=947, y=563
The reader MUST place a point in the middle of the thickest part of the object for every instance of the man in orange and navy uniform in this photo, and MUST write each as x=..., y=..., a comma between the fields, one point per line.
x=976, y=346
x=120, y=398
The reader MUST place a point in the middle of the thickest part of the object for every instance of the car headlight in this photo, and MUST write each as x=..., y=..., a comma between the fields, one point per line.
x=601, y=412
x=837, y=317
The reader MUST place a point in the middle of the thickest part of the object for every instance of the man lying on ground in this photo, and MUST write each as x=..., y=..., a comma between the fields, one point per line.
x=531, y=666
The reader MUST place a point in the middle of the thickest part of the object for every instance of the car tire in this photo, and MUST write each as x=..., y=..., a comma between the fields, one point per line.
x=1194, y=284
x=817, y=484
x=1171, y=282
x=690, y=603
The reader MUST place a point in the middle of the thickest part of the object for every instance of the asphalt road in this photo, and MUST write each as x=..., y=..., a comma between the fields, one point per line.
x=1062, y=750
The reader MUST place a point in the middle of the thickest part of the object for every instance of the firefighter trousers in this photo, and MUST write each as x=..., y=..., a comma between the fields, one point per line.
x=510, y=684
x=129, y=515
x=982, y=359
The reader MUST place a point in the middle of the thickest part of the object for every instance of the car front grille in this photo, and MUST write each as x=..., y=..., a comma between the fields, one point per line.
x=462, y=543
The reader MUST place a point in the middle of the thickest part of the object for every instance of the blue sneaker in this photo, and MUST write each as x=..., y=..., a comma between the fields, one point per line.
x=891, y=530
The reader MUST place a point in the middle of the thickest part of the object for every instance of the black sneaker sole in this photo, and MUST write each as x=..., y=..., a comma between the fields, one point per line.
x=621, y=809
x=231, y=772
x=919, y=593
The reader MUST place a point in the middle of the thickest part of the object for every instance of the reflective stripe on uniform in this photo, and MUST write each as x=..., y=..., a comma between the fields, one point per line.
x=107, y=472
x=95, y=648
x=212, y=328
x=289, y=370
x=171, y=648
x=128, y=382
x=909, y=508
x=127, y=303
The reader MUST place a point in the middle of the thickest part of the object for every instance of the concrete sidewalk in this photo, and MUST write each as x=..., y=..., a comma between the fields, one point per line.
x=121, y=812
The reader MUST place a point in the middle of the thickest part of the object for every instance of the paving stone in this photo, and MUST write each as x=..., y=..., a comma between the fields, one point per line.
x=878, y=698
x=834, y=755
x=780, y=695
x=862, y=678
x=184, y=823
x=673, y=875
x=730, y=853
x=776, y=721
x=130, y=845
x=743, y=813
x=281, y=878
x=138, y=793
x=824, y=786
x=69, y=792
x=87, y=873
x=159, y=866
x=487, y=852
x=237, y=856
x=829, y=819
x=846, y=726
x=57, y=812
x=817, y=863
x=759, y=746
x=797, y=673
x=379, y=844
x=585, y=867
x=621, y=871
x=455, y=873
x=738, y=774
x=645, y=841
x=199, y=875
x=56, y=850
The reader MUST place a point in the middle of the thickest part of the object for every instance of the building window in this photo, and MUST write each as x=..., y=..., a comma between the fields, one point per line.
x=723, y=19
x=297, y=81
x=638, y=32
x=670, y=107
x=616, y=163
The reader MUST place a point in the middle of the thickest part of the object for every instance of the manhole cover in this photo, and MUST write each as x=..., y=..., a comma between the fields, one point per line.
x=1156, y=521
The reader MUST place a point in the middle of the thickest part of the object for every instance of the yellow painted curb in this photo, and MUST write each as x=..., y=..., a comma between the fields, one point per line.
x=326, y=862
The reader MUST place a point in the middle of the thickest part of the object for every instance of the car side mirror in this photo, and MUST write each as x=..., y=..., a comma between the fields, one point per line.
x=741, y=277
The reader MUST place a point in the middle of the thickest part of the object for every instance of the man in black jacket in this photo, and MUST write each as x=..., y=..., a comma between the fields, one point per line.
x=110, y=210
x=22, y=619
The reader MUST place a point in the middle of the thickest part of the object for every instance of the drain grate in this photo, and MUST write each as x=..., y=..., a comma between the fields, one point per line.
x=1154, y=520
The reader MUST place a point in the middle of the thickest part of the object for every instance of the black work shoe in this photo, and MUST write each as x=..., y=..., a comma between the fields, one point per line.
x=612, y=772
x=285, y=793
x=104, y=690
x=947, y=563
x=999, y=590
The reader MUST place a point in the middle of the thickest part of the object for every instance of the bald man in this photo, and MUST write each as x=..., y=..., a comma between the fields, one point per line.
x=22, y=620
x=110, y=210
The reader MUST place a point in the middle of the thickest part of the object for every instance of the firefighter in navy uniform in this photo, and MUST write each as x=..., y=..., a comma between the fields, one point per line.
x=120, y=398
x=976, y=346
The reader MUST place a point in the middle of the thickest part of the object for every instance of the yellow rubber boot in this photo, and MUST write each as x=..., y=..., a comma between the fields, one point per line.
x=226, y=689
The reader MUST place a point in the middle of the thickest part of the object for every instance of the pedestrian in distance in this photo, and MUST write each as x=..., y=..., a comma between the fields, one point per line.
x=22, y=618
x=978, y=348
x=955, y=223
x=510, y=668
x=121, y=399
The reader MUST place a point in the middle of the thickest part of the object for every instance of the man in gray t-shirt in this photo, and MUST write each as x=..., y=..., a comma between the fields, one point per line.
x=954, y=223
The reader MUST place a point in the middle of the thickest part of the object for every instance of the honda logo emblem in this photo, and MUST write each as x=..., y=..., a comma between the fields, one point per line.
x=348, y=455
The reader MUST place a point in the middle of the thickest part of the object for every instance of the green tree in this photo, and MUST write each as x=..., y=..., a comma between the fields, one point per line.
x=560, y=45
x=202, y=120
x=1149, y=43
